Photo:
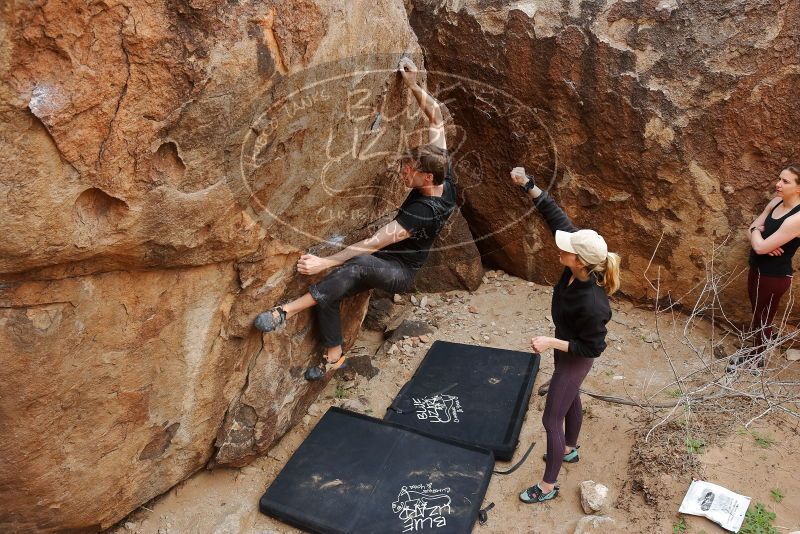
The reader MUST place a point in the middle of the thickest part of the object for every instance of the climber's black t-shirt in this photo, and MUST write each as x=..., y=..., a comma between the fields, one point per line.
x=423, y=217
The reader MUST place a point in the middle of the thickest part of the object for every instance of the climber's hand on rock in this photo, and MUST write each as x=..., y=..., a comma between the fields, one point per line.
x=777, y=252
x=408, y=71
x=518, y=175
x=310, y=264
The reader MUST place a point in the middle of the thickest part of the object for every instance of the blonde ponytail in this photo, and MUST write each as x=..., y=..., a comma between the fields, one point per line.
x=607, y=273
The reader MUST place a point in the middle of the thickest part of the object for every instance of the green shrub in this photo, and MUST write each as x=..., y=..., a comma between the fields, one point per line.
x=695, y=445
x=758, y=520
x=762, y=440
x=679, y=527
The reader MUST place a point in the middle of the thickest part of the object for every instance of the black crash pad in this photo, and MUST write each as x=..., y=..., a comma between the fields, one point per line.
x=358, y=474
x=470, y=394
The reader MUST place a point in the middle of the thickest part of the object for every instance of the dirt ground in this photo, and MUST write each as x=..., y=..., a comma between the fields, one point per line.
x=647, y=481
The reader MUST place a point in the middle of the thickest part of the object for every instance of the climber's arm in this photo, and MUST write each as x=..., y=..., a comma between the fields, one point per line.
x=429, y=105
x=391, y=233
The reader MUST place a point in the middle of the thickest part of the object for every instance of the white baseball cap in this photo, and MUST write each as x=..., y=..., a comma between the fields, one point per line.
x=588, y=244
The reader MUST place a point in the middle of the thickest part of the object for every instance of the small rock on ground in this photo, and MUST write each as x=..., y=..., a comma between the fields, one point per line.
x=410, y=329
x=793, y=355
x=649, y=337
x=595, y=524
x=362, y=365
x=594, y=496
x=354, y=405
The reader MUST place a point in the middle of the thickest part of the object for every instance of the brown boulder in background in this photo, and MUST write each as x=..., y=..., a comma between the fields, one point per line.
x=649, y=121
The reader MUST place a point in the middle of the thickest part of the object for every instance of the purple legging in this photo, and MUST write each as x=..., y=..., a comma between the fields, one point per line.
x=563, y=409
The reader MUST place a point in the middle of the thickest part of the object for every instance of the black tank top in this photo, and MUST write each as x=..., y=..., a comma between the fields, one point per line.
x=776, y=265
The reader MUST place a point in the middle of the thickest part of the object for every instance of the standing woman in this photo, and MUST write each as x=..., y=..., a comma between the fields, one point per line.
x=774, y=238
x=580, y=311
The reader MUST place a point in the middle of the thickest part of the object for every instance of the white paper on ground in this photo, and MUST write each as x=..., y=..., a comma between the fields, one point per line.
x=720, y=505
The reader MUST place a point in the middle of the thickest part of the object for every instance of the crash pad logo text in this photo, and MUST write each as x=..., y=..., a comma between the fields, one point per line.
x=420, y=506
x=438, y=409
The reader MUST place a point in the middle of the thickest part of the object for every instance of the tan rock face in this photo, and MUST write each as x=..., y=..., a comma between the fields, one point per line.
x=277, y=395
x=163, y=167
x=644, y=119
x=115, y=392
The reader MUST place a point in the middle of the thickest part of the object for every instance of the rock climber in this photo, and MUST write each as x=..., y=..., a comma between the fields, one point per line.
x=580, y=311
x=390, y=259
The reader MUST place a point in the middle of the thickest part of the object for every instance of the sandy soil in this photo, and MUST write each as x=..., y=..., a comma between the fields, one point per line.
x=506, y=312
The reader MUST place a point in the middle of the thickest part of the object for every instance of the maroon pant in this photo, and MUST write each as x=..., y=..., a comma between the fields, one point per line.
x=563, y=413
x=765, y=295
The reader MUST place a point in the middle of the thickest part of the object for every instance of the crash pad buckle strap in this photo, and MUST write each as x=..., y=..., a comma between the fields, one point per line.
x=483, y=516
x=395, y=406
x=518, y=464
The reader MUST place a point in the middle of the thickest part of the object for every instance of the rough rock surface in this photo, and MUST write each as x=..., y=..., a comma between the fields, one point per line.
x=594, y=496
x=276, y=394
x=651, y=120
x=379, y=313
x=163, y=167
x=454, y=261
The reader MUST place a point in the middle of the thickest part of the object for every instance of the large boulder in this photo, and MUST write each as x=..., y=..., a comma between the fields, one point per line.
x=662, y=124
x=163, y=167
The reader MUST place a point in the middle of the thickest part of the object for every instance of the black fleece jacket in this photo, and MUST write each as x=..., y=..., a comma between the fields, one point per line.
x=581, y=309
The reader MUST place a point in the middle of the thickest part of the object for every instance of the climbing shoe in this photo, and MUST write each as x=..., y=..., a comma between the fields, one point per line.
x=270, y=320
x=319, y=372
x=535, y=494
x=572, y=457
